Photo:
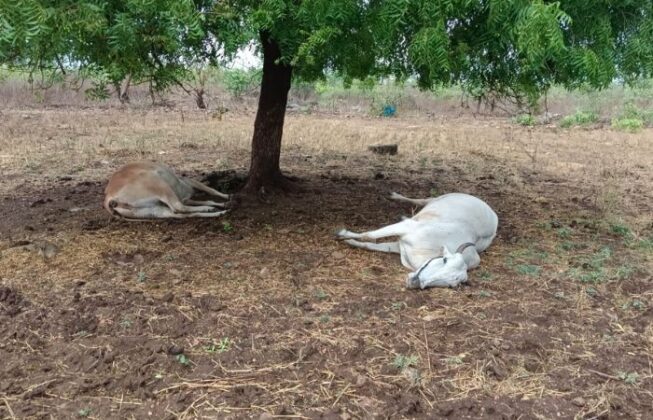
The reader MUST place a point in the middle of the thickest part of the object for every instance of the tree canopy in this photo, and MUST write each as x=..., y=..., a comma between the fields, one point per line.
x=501, y=45
x=515, y=48
x=518, y=47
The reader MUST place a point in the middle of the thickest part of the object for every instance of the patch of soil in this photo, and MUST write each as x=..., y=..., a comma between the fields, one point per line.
x=11, y=302
x=506, y=408
x=133, y=258
x=58, y=204
x=229, y=181
x=262, y=313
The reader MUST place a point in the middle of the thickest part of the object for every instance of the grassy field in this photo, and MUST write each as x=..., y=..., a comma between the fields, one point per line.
x=263, y=314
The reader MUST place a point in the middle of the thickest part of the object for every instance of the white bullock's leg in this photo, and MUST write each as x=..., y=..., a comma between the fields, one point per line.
x=199, y=186
x=391, y=247
x=416, y=201
x=204, y=203
x=397, y=229
x=472, y=259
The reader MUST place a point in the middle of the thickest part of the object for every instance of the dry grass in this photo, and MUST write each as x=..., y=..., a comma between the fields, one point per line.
x=84, y=137
x=313, y=326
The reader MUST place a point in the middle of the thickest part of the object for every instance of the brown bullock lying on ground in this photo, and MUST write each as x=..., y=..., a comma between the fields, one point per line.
x=147, y=190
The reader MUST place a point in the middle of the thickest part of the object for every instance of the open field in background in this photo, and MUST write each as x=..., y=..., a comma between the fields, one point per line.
x=625, y=108
x=263, y=314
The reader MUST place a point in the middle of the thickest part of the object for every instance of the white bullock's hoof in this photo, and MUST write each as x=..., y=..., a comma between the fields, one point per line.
x=341, y=234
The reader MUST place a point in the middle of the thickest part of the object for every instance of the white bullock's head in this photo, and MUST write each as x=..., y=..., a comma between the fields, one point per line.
x=447, y=270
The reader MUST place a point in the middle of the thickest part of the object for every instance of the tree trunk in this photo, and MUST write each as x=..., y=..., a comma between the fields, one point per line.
x=122, y=89
x=199, y=98
x=264, y=170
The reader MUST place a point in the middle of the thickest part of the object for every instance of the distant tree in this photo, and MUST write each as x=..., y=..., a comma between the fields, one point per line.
x=509, y=48
x=126, y=42
x=518, y=48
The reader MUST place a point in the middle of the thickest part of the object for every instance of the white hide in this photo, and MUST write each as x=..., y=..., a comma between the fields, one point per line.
x=428, y=242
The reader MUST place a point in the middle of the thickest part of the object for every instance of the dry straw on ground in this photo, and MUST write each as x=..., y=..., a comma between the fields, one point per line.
x=263, y=312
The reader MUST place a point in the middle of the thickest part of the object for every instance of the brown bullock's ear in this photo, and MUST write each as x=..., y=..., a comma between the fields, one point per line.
x=462, y=247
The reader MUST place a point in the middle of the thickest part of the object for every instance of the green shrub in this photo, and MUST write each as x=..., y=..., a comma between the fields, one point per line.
x=525, y=120
x=368, y=84
x=98, y=92
x=631, y=125
x=633, y=111
x=238, y=82
x=632, y=118
x=579, y=118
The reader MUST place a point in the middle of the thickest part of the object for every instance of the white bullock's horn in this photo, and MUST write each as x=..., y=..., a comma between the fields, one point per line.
x=462, y=247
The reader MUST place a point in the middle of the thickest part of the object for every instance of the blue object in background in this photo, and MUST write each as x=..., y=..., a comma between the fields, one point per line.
x=389, y=111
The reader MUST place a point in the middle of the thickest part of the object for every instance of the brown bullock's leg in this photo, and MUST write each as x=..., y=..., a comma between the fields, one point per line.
x=161, y=212
x=199, y=186
x=204, y=203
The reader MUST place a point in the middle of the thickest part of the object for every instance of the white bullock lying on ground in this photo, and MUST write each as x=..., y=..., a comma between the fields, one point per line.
x=146, y=190
x=454, y=221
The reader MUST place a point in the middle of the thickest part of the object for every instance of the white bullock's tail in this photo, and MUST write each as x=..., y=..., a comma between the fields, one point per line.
x=416, y=201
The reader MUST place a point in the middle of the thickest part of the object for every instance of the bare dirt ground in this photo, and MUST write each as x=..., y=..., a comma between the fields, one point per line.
x=262, y=314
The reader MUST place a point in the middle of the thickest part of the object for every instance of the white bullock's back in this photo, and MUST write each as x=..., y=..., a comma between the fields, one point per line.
x=455, y=227
x=463, y=210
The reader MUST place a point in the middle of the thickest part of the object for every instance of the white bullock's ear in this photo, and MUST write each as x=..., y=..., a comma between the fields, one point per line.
x=446, y=253
x=412, y=281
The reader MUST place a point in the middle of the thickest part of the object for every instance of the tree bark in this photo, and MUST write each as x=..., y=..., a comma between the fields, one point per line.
x=264, y=170
x=199, y=98
x=122, y=89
